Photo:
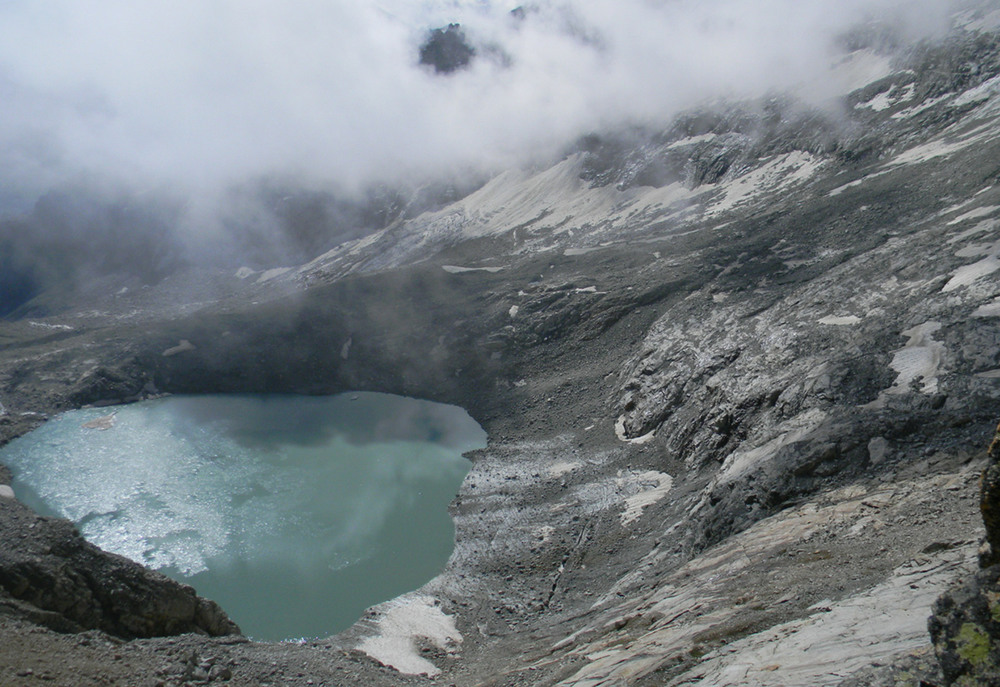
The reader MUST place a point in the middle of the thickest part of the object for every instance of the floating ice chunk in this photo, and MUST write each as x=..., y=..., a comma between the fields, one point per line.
x=105, y=422
x=182, y=345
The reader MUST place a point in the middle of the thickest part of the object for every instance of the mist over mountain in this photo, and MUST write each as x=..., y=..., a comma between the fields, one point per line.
x=257, y=134
x=331, y=96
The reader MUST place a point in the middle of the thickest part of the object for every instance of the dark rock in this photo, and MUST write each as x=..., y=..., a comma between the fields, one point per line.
x=447, y=50
x=59, y=580
x=110, y=384
x=989, y=502
x=965, y=628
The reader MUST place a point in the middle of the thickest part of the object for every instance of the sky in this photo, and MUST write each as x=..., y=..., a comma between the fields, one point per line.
x=196, y=96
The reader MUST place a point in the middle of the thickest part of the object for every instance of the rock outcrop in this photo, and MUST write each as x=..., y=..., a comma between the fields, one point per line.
x=965, y=626
x=50, y=575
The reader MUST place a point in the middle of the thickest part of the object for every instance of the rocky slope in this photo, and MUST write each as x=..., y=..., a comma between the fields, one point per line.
x=739, y=377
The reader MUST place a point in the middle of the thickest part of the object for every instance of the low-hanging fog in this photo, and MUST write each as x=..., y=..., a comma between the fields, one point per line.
x=184, y=105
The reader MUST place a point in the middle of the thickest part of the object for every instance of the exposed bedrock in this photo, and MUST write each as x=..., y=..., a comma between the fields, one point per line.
x=51, y=576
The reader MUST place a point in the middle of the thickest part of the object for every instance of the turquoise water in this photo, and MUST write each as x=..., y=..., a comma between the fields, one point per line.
x=294, y=513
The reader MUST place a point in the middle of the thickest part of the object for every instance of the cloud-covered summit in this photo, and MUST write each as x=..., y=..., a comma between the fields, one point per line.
x=194, y=96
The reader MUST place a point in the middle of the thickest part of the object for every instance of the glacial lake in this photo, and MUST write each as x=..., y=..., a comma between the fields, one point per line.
x=294, y=513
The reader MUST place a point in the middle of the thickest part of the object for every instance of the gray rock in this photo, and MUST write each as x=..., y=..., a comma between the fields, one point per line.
x=73, y=584
x=965, y=628
x=878, y=448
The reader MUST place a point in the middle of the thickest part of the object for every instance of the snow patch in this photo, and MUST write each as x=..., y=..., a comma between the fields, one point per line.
x=943, y=148
x=797, y=428
x=653, y=487
x=779, y=172
x=859, y=69
x=846, y=321
x=268, y=275
x=922, y=107
x=882, y=101
x=967, y=274
x=244, y=273
x=857, y=182
x=978, y=229
x=620, y=433
x=974, y=251
x=889, y=98
x=919, y=359
x=691, y=140
x=975, y=214
x=983, y=91
x=402, y=622
x=455, y=269
x=988, y=310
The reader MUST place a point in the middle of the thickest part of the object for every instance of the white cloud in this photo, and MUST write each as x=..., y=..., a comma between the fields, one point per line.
x=196, y=95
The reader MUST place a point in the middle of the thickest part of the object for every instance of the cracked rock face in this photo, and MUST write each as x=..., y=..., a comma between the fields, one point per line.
x=738, y=377
x=51, y=576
